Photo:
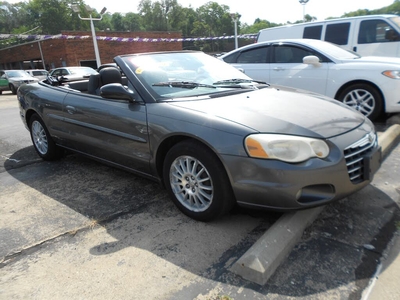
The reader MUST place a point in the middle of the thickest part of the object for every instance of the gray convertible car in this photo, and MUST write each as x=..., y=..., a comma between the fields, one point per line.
x=211, y=135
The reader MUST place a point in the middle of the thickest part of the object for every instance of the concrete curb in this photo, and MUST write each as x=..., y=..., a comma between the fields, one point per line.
x=264, y=257
x=388, y=138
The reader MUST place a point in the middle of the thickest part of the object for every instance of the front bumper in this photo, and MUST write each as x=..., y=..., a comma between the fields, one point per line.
x=282, y=186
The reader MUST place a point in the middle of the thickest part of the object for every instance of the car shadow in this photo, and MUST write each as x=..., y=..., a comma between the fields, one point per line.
x=339, y=251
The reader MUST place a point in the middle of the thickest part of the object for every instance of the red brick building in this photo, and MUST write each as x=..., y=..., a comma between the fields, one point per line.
x=78, y=50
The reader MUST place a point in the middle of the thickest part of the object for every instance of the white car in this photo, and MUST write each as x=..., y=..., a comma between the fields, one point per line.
x=11, y=80
x=371, y=84
x=40, y=74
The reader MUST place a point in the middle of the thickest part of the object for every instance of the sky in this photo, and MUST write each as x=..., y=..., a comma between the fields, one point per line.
x=275, y=11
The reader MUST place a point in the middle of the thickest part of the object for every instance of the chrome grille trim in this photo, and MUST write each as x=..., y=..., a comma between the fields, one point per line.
x=354, y=155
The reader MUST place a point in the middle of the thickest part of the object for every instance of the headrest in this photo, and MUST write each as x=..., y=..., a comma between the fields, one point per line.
x=110, y=75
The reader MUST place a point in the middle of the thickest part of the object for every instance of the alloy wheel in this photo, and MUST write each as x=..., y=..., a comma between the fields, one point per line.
x=191, y=183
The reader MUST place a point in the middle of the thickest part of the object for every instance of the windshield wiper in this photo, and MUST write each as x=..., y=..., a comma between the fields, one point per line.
x=184, y=84
x=241, y=84
x=237, y=81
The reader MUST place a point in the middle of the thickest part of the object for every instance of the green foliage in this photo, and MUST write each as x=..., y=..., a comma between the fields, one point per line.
x=391, y=9
x=132, y=22
x=257, y=26
x=210, y=19
x=117, y=22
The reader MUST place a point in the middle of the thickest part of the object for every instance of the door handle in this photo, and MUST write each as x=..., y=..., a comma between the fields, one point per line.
x=70, y=109
x=278, y=69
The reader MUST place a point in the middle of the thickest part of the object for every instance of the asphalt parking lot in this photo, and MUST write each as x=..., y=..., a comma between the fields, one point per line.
x=77, y=229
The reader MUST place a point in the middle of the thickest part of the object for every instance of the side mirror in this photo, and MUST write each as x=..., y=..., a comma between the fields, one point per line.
x=117, y=91
x=311, y=60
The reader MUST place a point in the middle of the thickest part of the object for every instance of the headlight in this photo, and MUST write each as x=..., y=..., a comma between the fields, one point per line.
x=392, y=74
x=285, y=147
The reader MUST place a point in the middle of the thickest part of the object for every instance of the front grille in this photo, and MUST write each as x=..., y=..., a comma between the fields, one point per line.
x=355, y=154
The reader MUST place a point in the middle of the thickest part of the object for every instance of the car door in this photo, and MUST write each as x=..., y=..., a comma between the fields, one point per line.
x=376, y=37
x=253, y=62
x=3, y=81
x=287, y=68
x=111, y=130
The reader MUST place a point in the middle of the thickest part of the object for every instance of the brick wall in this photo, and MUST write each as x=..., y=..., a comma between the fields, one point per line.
x=71, y=52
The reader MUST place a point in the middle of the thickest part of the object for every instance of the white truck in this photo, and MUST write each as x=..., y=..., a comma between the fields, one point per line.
x=372, y=35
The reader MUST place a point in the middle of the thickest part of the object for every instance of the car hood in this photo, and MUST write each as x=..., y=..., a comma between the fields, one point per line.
x=377, y=59
x=22, y=78
x=281, y=110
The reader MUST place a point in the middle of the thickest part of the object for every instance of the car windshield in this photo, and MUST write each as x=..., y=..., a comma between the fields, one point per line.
x=172, y=75
x=334, y=51
x=82, y=70
x=17, y=73
x=39, y=73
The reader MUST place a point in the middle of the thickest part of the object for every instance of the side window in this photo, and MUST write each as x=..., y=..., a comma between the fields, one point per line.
x=231, y=58
x=290, y=54
x=376, y=31
x=338, y=33
x=312, y=32
x=254, y=56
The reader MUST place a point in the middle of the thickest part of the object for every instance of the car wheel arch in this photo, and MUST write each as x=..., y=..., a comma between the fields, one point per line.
x=354, y=82
x=168, y=143
x=197, y=181
x=28, y=114
x=362, y=82
x=42, y=141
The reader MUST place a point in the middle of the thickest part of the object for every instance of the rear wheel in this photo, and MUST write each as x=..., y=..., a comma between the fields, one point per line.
x=364, y=98
x=197, y=182
x=41, y=139
x=13, y=89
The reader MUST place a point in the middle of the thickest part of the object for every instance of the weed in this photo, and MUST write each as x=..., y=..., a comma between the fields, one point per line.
x=397, y=224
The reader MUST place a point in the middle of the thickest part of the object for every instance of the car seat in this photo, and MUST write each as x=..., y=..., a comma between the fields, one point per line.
x=105, y=76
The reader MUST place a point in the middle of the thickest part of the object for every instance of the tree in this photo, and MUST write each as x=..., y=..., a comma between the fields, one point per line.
x=154, y=14
x=52, y=16
x=117, y=23
x=210, y=19
x=257, y=26
x=132, y=22
x=213, y=20
x=189, y=16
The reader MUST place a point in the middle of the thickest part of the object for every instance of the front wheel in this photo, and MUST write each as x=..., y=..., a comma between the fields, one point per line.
x=364, y=98
x=197, y=182
x=41, y=139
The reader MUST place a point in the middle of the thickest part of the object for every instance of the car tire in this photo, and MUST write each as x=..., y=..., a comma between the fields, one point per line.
x=42, y=141
x=364, y=98
x=13, y=89
x=197, y=182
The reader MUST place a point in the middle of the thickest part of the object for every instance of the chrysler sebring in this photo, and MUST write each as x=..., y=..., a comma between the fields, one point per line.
x=210, y=134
